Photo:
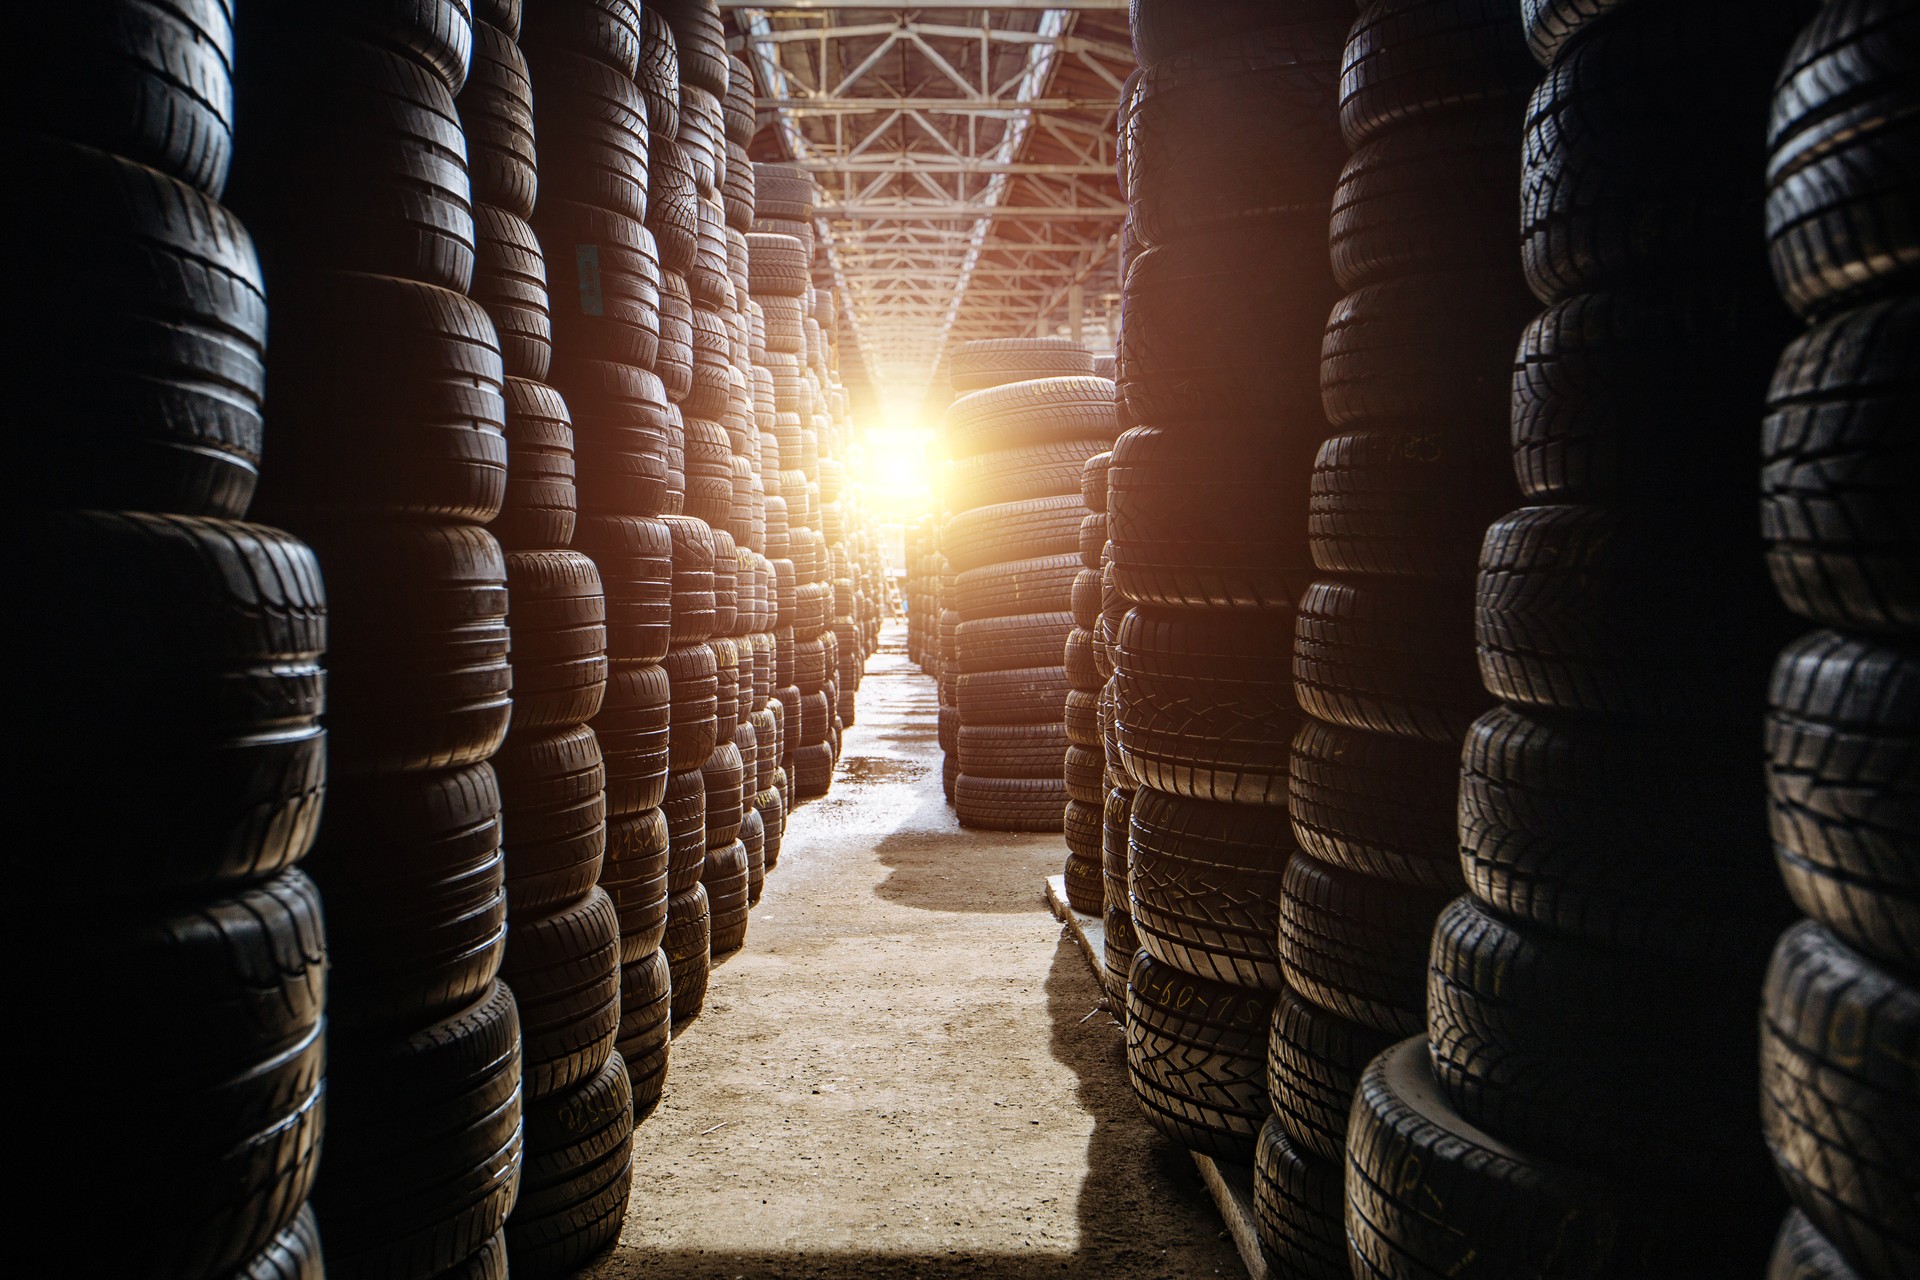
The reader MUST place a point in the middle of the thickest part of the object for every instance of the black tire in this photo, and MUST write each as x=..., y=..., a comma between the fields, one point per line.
x=722, y=777
x=1009, y=804
x=1551, y=25
x=1093, y=480
x=1029, y=696
x=352, y=157
x=423, y=1143
x=1314, y=1063
x=1196, y=1054
x=1027, y=414
x=777, y=266
x=1841, y=215
x=1376, y=805
x=419, y=430
x=553, y=800
x=1221, y=326
x=635, y=728
x=634, y=556
x=1297, y=1208
x=228, y=994
x=1837, y=504
x=753, y=835
x=576, y=1177
x=658, y=73
x=994, y=751
x=673, y=205
x=1611, y=189
x=179, y=661
x=701, y=38
x=149, y=81
x=1429, y=1196
x=1406, y=503
x=1204, y=705
x=1084, y=597
x=1645, y=395
x=1842, y=789
x=608, y=31
x=418, y=676
x=1163, y=28
x=411, y=869
x=689, y=951
x=741, y=124
x=1626, y=836
x=147, y=349
x=1407, y=60
x=510, y=281
x=1010, y=643
x=438, y=33
x=695, y=726
x=1837, y=1043
x=1207, y=517
x=1433, y=351
x=1392, y=657
x=813, y=769
x=606, y=281
x=592, y=123
x=560, y=638
x=294, y=1254
x=725, y=877
x=1204, y=886
x=685, y=811
x=1802, y=1253
x=1606, y=611
x=646, y=1029
x=1417, y=198
x=1012, y=531
x=1036, y=586
x=993, y=362
x=634, y=875
x=1357, y=946
x=1278, y=85
x=565, y=973
x=496, y=115
x=1603, y=1059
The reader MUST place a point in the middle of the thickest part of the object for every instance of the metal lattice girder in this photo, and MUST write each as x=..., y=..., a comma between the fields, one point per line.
x=965, y=157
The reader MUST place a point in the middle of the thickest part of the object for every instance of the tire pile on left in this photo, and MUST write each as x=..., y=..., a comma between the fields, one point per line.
x=164, y=687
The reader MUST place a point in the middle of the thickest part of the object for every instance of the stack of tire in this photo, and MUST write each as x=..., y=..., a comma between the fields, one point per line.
x=946, y=627
x=1415, y=376
x=584, y=847
x=385, y=393
x=922, y=640
x=1587, y=1086
x=1840, y=1023
x=164, y=682
x=1232, y=152
x=1030, y=414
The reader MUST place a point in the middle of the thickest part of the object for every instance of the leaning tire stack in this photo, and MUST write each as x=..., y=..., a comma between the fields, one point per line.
x=1232, y=148
x=164, y=678
x=1089, y=888
x=1016, y=441
x=1840, y=1020
x=1590, y=1045
x=352, y=171
x=1415, y=370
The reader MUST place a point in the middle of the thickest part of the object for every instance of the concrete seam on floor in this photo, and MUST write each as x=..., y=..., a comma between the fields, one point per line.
x=1231, y=1187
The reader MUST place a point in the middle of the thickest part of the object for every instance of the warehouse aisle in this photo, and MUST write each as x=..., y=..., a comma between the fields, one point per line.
x=899, y=1076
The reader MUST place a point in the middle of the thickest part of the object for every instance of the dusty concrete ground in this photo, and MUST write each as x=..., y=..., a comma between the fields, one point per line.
x=908, y=1071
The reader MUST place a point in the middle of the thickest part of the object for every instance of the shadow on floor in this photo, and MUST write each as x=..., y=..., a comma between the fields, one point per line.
x=936, y=866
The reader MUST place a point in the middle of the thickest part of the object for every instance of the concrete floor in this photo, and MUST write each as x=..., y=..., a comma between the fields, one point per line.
x=909, y=1071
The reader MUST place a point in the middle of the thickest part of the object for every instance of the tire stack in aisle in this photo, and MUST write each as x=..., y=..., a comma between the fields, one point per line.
x=946, y=626
x=385, y=389
x=1840, y=1021
x=922, y=648
x=1587, y=1082
x=1029, y=415
x=165, y=665
x=1415, y=376
x=1232, y=149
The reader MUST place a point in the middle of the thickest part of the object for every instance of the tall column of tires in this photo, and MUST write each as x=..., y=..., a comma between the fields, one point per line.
x=1415, y=373
x=555, y=142
x=165, y=685
x=1030, y=413
x=919, y=556
x=946, y=627
x=1232, y=148
x=385, y=387
x=1840, y=1020
x=1587, y=1087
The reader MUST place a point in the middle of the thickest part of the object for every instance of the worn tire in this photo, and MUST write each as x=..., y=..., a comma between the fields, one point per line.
x=1196, y=1054
x=1204, y=886
x=1376, y=805
x=576, y=1175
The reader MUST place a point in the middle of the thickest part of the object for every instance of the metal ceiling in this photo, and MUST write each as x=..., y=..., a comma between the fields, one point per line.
x=965, y=155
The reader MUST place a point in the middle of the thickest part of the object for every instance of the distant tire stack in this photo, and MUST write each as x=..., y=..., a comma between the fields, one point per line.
x=1840, y=1021
x=922, y=643
x=386, y=394
x=1589, y=1038
x=1029, y=415
x=1084, y=820
x=164, y=684
x=1232, y=149
x=1414, y=376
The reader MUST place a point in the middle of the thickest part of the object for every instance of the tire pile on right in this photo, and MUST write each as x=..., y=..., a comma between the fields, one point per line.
x=1840, y=1007
x=1030, y=414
